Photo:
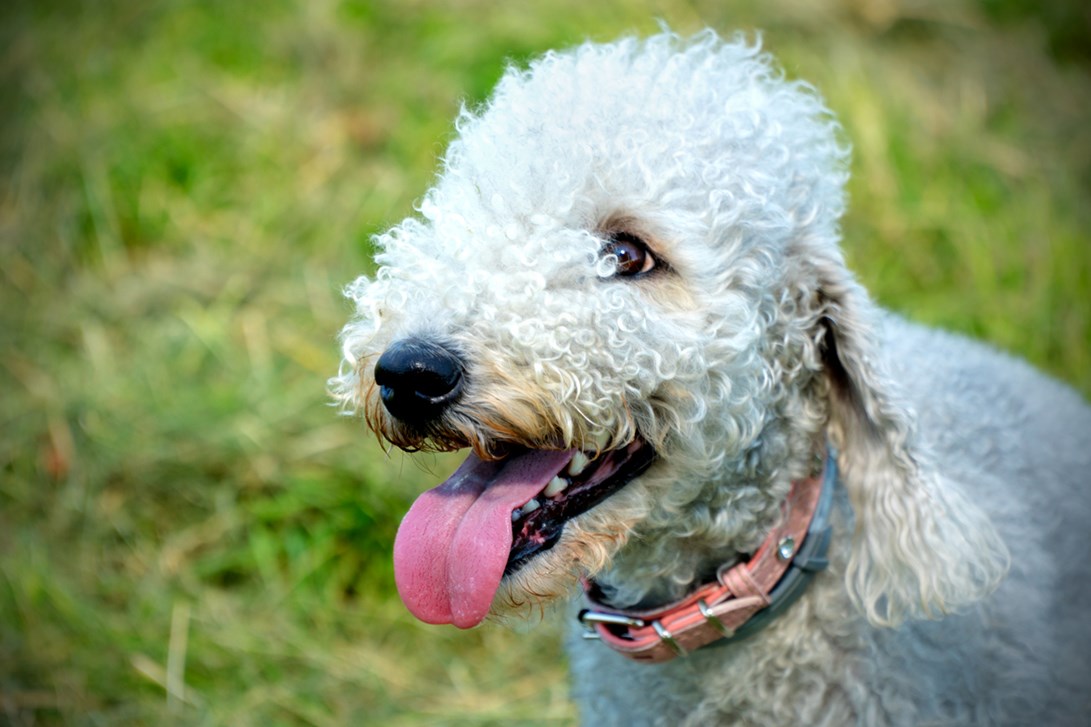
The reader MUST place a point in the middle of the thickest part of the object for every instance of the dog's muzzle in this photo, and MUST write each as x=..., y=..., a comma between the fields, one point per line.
x=418, y=379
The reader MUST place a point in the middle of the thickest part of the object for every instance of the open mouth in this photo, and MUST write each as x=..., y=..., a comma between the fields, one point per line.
x=584, y=483
x=489, y=519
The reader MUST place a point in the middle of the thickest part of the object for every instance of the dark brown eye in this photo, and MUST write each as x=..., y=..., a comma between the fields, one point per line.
x=633, y=256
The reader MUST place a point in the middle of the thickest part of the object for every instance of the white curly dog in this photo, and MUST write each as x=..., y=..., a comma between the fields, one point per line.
x=625, y=295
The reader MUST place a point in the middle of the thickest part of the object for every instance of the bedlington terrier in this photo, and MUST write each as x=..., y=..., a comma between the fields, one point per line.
x=624, y=295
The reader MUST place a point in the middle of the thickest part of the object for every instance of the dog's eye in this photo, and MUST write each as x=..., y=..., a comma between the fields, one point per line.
x=633, y=256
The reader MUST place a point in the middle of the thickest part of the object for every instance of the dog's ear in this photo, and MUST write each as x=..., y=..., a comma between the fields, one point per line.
x=920, y=547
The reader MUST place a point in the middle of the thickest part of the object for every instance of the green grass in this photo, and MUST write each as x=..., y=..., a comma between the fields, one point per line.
x=189, y=534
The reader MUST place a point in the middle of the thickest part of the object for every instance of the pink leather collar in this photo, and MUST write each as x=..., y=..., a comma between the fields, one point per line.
x=744, y=596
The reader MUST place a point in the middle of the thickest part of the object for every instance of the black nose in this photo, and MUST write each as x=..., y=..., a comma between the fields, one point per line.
x=418, y=379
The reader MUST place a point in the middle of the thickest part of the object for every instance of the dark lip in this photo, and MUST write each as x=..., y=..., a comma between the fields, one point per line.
x=540, y=531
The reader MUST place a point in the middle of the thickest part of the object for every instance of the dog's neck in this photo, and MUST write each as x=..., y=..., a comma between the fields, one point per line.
x=745, y=594
x=730, y=520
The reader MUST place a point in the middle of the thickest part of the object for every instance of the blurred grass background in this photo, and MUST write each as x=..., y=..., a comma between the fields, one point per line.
x=189, y=534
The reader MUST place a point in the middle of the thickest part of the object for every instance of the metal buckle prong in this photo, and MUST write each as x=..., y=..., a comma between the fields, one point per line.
x=589, y=618
x=598, y=617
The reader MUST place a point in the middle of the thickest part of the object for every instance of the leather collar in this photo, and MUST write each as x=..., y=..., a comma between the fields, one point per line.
x=745, y=595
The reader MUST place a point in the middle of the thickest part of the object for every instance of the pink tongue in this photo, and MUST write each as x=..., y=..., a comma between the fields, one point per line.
x=453, y=544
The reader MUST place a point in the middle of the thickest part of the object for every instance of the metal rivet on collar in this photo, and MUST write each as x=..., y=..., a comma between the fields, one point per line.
x=786, y=548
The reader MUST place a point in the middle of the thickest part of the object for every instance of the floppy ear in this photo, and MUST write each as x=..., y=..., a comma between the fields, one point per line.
x=921, y=548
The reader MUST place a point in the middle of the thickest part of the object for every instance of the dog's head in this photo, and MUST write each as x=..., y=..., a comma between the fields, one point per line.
x=616, y=297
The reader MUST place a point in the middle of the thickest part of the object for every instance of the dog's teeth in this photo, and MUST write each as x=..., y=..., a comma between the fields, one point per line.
x=555, y=487
x=525, y=509
x=578, y=464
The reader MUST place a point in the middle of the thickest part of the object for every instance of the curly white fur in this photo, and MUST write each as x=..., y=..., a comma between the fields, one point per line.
x=750, y=347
